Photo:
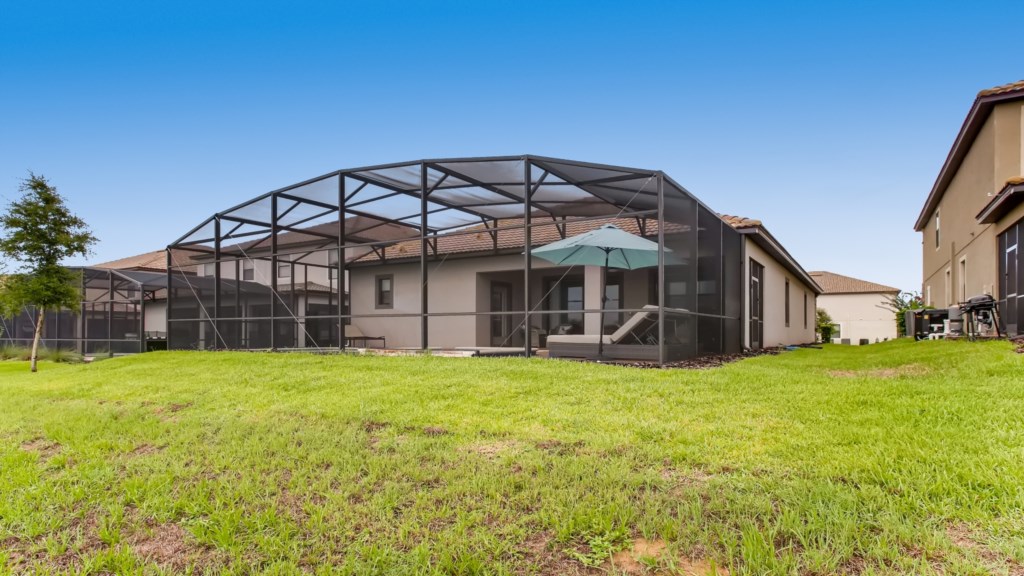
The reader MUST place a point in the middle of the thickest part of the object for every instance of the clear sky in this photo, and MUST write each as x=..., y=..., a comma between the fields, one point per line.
x=828, y=121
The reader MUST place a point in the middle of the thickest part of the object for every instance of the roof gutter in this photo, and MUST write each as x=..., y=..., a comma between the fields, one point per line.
x=769, y=244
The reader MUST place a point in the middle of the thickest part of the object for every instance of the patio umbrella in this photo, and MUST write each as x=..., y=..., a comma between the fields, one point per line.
x=608, y=246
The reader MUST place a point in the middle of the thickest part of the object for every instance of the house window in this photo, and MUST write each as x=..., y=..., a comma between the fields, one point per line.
x=805, y=310
x=386, y=291
x=938, y=235
x=787, y=302
x=284, y=267
x=962, y=273
x=949, y=287
x=248, y=270
x=209, y=269
x=928, y=295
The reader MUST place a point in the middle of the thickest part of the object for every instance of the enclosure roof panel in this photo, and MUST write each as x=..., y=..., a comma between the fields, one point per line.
x=459, y=192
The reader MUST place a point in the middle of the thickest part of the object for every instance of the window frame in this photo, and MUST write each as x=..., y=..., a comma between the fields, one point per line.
x=248, y=274
x=787, y=302
x=377, y=292
x=805, y=310
x=286, y=262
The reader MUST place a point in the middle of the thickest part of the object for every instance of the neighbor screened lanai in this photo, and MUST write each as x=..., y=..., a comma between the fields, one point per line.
x=437, y=254
x=110, y=320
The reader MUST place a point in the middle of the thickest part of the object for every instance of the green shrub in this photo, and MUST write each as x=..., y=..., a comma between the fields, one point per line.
x=10, y=352
x=60, y=355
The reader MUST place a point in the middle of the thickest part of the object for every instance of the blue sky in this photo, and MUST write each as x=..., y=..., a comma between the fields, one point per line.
x=828, y=121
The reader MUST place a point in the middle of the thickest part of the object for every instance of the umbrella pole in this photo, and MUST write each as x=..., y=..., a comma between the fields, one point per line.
x=604, y=295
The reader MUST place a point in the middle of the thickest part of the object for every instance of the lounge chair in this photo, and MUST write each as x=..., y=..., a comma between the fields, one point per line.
x=636, y=339
x=353, y=334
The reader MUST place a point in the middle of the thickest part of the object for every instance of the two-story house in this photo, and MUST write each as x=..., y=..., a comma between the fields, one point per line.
x=974, y=214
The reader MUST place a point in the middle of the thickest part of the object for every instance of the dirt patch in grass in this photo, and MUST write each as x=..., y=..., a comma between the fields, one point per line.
x=692, y=478
x=46, y=449
x=967, y=540
x=84, y=541
x=559, y=447
x=435, y=431
x=371, y=426
x=492, y=450
x=145, y=450
x=644, y=555
x=170, y=547
x=908, y=370
x=540, y=552
x=173, y=408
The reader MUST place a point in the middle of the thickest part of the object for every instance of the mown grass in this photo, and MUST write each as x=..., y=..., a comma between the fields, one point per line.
x=898, y=458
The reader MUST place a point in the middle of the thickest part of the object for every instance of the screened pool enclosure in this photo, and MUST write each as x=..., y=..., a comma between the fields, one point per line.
x=112, y=318
x=436, y=254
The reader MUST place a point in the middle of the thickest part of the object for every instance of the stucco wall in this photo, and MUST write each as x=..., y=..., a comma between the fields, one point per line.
x=860, y=316
x=776, y=333
x=994, y=157
x=456, y=286
x=155, y=319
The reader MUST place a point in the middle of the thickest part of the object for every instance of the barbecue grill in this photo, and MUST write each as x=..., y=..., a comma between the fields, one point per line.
x=980, y=312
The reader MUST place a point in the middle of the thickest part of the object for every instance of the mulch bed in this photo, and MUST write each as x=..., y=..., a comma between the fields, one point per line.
x=1018, y=341
x=701, y=362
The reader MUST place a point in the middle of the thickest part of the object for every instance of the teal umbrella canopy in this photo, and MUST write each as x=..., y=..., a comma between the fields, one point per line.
x=608, y=246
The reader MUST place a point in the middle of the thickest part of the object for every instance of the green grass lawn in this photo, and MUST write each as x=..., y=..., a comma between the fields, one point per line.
x=897, y=458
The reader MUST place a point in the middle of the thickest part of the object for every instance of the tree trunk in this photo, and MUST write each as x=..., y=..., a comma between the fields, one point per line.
x=35, y=340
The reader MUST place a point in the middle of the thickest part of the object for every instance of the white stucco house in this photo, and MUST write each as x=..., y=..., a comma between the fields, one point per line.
x=857, y=307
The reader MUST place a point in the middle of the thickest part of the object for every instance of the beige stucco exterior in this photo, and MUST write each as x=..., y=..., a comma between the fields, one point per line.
x=995, y=156
x=462, y=286
x=800, y=329
x=459, y=281
x=860, y=316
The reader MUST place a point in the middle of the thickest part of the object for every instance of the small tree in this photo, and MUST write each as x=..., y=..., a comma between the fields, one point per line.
x=824, y=325
x=39, y=231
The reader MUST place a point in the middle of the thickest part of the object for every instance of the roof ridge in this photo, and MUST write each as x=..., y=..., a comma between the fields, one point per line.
x=1002, y=89
x=835, y=283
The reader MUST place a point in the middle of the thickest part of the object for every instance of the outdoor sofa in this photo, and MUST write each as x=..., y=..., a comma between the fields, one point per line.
x=636, y=339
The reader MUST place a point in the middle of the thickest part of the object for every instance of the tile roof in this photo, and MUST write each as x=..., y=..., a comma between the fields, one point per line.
x=739, y=222
x=156, y=260
x=510, y=237
x=1003, y=89
x=832, y=283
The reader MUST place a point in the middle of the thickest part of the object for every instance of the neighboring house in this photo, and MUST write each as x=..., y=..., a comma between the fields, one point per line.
x=435, y=257
x=857, y=307
x=122, y=311
x=973, y=219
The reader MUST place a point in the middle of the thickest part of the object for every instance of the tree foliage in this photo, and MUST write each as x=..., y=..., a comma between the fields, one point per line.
x=824, y=325
x=38, y=231
x=899, y=303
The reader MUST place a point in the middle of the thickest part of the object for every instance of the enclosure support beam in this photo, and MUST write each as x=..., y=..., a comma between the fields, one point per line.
x=340, y=284
x=110, y=313
x=273, y=272
x=661, y=269
x=527, y=257
x=423, y=257
x=216, y=283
